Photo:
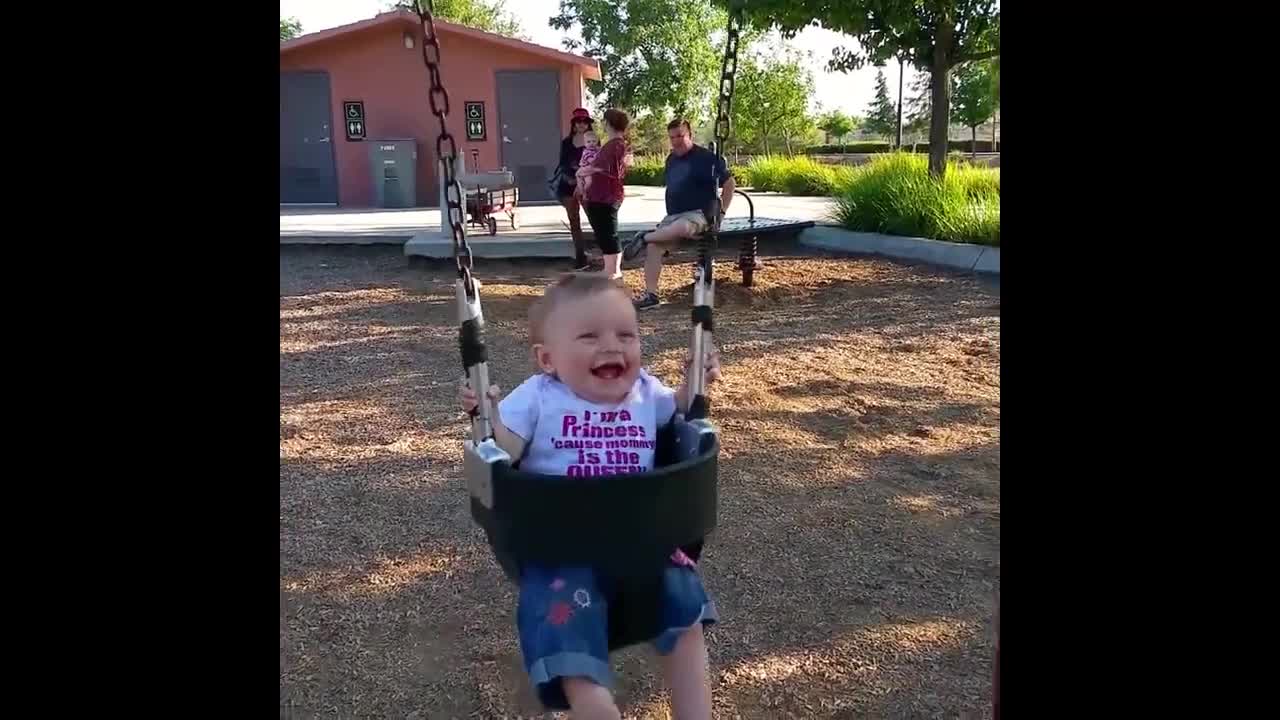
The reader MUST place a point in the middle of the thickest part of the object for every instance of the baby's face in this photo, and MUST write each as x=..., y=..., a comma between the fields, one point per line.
x=593, y=345
x=591, y=140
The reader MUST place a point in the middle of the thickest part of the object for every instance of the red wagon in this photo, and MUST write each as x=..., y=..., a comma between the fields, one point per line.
x=483, y=203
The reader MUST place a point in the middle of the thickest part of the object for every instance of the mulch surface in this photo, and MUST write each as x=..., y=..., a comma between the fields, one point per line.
x=856, y=565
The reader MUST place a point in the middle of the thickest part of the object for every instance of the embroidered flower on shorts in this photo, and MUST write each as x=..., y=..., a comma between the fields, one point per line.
x=582, y=598
x=557, y=584
x=560, y=613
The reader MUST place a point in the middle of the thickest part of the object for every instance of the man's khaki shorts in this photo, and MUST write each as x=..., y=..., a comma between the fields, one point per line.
x=695, y=217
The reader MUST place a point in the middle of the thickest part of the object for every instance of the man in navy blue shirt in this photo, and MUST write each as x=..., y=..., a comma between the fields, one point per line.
x=690, y=177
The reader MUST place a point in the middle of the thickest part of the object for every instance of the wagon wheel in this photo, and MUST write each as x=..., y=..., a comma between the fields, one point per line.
x=493, y=225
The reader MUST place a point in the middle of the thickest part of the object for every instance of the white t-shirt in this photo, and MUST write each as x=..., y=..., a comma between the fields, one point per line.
x=566, y=435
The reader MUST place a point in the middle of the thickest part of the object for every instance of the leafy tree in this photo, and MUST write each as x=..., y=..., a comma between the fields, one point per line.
x=995, y=78
x=837, y=125
x=995, y=90
x=290, y=28
x=974, y=96
x=655, y=55
x=882, y=118
x=935, y=36
x=919, y=106
x=488, y=15
x=771, y=99
x=649, y=133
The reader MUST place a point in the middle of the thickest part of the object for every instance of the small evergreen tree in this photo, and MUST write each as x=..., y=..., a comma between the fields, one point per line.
x=881, y=116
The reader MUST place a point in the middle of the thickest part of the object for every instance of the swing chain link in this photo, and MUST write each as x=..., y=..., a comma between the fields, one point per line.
x=439, y=100
x=728, y=73
x=710, y=240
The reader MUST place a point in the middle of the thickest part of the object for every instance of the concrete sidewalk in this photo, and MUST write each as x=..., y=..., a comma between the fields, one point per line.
x=643, y=208
x=544, y=230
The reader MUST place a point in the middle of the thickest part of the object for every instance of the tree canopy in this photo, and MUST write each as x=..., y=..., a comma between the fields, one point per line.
x=974, y=94
x=660, y=56
x=934, y=36
x=488, y=15
x=289, y=28
x=974, y=97
x=771, y=99
x=918, y=107
x=837, y=124
x=882, y=117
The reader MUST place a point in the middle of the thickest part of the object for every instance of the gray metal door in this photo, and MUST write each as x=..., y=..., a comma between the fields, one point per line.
x=529, y=128
x=307, y=173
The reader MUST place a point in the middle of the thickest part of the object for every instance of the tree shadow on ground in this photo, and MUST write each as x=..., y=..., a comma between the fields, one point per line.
x=394, y=596
x=414, y=315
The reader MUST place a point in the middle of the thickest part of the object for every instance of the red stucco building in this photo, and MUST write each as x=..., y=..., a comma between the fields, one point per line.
x=345, y=88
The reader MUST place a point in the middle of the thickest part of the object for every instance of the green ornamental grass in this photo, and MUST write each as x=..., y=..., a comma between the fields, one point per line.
x=892, y=194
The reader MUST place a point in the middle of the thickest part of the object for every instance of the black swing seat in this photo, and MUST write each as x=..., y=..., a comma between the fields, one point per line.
x=625, y=527
x=751, y=225
x=748, y=231
x=738, y=227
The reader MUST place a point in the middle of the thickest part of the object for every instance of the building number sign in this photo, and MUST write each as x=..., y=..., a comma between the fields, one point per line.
x=353, y=114
x=475, y=120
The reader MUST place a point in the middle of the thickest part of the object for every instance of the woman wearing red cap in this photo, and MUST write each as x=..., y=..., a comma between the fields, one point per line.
x=564, y=181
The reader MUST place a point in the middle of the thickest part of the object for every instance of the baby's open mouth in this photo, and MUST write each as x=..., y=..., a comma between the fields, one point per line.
x=609, y=370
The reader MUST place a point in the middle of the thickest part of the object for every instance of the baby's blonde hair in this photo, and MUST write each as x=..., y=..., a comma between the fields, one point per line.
x=570, y=286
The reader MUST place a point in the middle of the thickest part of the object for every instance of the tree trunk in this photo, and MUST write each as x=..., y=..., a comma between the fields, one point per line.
x=787, y=140
x=941, y=96
x=973, y=149
x=938, y=123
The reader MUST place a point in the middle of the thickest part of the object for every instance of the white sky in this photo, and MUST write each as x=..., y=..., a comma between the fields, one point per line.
x=851, y=92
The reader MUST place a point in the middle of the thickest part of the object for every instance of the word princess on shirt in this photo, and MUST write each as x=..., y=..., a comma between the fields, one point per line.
x=612, y=432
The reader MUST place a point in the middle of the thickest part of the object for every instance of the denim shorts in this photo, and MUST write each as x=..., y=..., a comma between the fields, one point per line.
x=562, y=618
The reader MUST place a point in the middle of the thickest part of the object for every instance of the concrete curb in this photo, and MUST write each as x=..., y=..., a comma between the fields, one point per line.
x=528, y=242
x=552, y=244
x=989, y=261
x=344, y=239
x=437, y=245
x=973, y=258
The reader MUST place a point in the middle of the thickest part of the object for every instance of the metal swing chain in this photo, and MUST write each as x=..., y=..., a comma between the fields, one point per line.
x=439, y=97
x=470, y=317
x=724, y=107
x=704, y=284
